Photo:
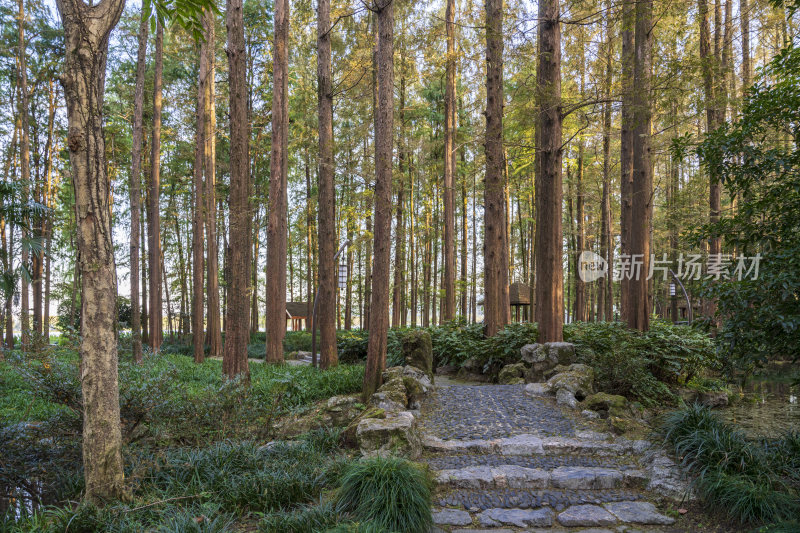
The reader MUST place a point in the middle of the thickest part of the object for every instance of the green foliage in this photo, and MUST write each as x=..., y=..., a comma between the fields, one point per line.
x=391, y=493
x=752, y=481
x=204, y=490
x=311, y=518
x=641, y=365
x=758, y=161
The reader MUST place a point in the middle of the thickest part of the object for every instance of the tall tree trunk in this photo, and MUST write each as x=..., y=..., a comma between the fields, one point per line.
x=450, y=155
x=198, y=218
x=154, y=218
x=384, y=134
x=464, y=285
x=86, y=33
x=642, y=186
x=143, y=268
x=213, y=321
x=398, y=289
x=25, y=167
x=496, y=301
x=474, y=298
x=135, y=187
x=309, y=245
x=237, y=330
x=46, y=221
x=626, y=147
x=606, y=297
x=744, y=16
x=580, y=239
x=549, y=193
x=326, y=313
x=279, y=169
x=709, y=66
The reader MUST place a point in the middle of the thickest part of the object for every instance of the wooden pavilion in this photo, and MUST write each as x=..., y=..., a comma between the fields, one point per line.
x=519, y=296
x=297, y=313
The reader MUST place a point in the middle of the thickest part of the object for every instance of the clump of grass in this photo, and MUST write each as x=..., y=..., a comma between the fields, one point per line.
x=313, y=518
x=752, y=481
x=390, y=493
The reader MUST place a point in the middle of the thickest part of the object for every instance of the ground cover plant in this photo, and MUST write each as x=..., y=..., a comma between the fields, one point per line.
x=753, y=481
x=173, y=412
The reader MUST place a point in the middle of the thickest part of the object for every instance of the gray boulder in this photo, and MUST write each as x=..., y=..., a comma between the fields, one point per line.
x=543, y=357
x=566, y=398
x=511, y=374
x=577, y=379
x=418, y=351
x=396, y=434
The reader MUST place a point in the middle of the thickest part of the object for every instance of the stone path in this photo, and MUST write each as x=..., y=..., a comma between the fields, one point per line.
x=505, y=460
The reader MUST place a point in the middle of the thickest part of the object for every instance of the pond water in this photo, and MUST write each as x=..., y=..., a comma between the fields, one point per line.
x=771, y=405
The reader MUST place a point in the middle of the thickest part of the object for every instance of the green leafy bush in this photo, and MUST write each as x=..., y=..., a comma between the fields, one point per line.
x=641, y=365
x=760, y=317
x=391, y=493
x=750, y=480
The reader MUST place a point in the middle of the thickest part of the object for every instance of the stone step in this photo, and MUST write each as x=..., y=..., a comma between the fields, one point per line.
x=580, y=515
x=476, y=499
x=549, y=462
x=520, y=477
x=528, y=444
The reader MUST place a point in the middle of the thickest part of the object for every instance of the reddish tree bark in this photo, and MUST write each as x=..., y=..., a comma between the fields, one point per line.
x=549, y=296
x=384, y=136
x=279, y=170
x=237, y=332
x=496, y=305
x=326, y=314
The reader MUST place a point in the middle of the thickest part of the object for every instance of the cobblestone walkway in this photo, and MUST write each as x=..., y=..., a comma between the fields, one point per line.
x=490, y=412
x=503, y=459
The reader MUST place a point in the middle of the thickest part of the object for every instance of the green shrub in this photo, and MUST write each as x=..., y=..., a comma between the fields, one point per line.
x=391, y=493
x=752, y=481
x=641, y=365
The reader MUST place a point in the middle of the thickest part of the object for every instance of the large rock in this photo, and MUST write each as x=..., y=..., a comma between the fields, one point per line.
x=542, y=517
x=606, y=404
x=577, y=379
x=532, y=353
x=543, y=357
x=391, y=396
x=394, y=435
x=638, y=513
x=418, y=350
x=586, y=515
x=337, y=411
x=451, y=517
x=512, y=374
x=566, y=398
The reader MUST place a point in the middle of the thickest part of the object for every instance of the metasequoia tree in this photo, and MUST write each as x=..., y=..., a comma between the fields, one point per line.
x=136, y=193
x=642, y=183
x=213, y=322
x=384, y=133
x=198, y=221
x=497, y=308
x=86, y=33
x=237, y=332
x=549, y=293
x=449, y=310
x=278, y=195
x=326, y=313
x=606, y=287
x=154, y=194
x=25, y=167
x=626, y=147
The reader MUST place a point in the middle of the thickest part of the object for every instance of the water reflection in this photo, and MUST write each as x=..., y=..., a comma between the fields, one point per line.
x=770, y=407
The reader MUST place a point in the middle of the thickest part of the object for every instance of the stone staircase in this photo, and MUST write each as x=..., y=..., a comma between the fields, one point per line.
x=545, y=472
